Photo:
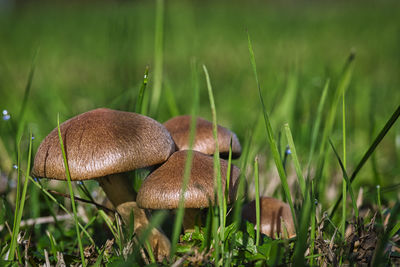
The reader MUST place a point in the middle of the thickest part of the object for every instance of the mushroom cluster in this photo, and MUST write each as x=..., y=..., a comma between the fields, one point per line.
x=105, y=145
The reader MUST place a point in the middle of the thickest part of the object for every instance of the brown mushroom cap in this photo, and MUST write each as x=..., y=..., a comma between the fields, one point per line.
x=161, y=189
x=101, y=142
x=179, y=128
x=273, y=213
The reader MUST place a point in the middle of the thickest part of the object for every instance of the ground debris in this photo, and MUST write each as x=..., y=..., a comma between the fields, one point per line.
x=91, y=254
x=358, y=247
x=362, y=242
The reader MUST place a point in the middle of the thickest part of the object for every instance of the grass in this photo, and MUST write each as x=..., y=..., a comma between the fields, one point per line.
x=188, y=164
x=71, y=192
x=93, y=56
x=270, y=136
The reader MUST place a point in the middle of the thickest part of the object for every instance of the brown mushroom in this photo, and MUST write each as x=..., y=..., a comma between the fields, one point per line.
x=275, y=217
x=162, y=188
x=104, y=144
x=179, y=128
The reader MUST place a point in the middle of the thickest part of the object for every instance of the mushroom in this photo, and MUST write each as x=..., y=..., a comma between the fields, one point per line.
x=179, y=128
x=105, y=144
x=162, y=188
x=275, y=217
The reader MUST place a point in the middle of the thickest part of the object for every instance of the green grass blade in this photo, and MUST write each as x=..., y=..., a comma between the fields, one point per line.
x=302, y=233
x=21, y=204
x=242, y=181
x=370, y=150
x=270, y=135
x=71, y=192
x=216, y=237
x=394, y=230
x=316, y=128
x=345, y=176
x=313, y=224
x=285, y=110
x=139, y=100
x=158, y=57
x=257, y=200
x=227, y=181
x=376, y=142
x=118, y=223
x=21, y=115
x=340, y=90
x=52, y=198
x=156, y=220
x=109, y=224
x=171, y=102
x=217, y=167
x=378, y=194
x=379, y=258
x=296, y=162
x=344, y=189
x=188, y=164
x=53, y=245
x=17, y=201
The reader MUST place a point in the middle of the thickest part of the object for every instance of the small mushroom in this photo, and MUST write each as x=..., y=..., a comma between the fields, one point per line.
x=275, y=217
x=105, y=144
x=162, y=188
x=179, y=128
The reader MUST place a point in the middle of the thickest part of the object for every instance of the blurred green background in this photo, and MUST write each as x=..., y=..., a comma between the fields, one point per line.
x=93, y=54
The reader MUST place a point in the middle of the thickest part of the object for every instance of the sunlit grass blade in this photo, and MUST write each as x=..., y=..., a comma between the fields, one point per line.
x=343, y=84
x=158, y=57
x=217, y=167
x=21, y=203
x=257, y=200
x=370, y=150
x=346, y=178
x=188, y=164
x=270, y=136
x=71, y=192
x=296, y=162
x=139, y=100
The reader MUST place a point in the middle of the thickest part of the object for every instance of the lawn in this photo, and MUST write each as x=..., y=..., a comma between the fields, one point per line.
x=325, y=73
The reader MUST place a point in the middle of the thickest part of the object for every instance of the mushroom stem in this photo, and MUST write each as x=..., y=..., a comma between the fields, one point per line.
x=117, y=188
x=190, y=219
x=158, y=241
x=119, y=191
x=127, y=208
